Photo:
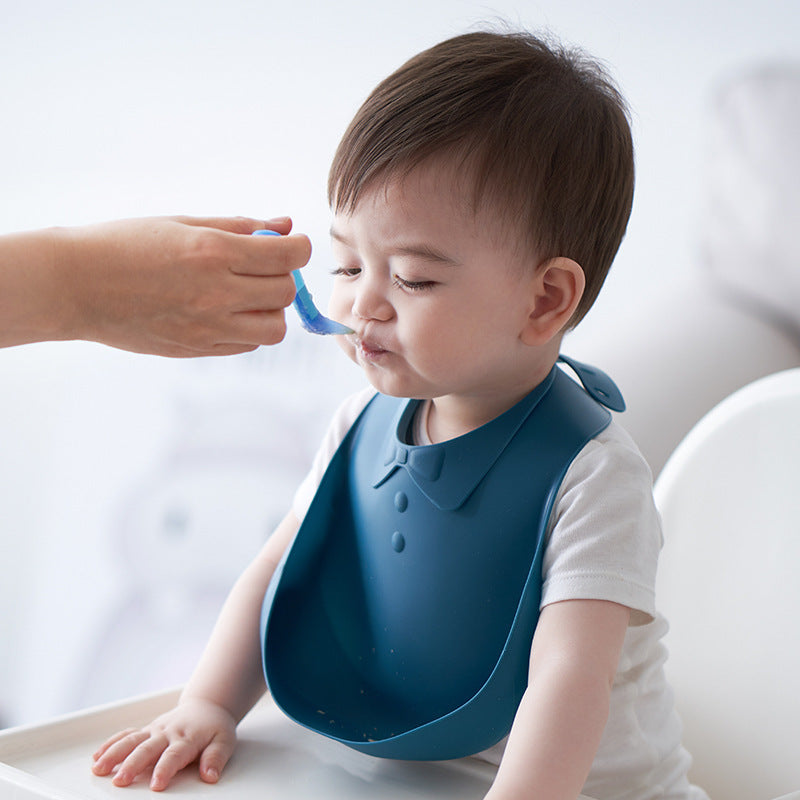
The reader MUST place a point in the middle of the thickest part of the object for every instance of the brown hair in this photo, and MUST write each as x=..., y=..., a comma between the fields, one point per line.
x=542, y=129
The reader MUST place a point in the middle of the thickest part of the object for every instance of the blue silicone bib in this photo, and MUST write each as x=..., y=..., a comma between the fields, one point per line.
x=400, y=621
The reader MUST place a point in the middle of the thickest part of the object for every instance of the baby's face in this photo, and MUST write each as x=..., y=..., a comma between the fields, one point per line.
x=436, y=301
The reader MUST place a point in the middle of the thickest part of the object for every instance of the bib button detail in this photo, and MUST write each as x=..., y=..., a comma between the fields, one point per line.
x=401, y=501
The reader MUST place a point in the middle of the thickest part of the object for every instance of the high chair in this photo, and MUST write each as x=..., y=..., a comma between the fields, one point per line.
x=728, y=584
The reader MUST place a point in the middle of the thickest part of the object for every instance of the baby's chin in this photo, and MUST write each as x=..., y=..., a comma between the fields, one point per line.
x=389, y=386
x=348, y=348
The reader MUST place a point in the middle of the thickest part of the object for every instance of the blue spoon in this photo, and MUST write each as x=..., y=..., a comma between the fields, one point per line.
x=310, y=316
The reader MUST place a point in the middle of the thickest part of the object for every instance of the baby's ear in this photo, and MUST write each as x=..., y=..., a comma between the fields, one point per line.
x=556, y=290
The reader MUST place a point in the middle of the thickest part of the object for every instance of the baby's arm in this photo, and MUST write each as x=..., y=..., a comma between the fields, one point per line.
x=560, y=721
x=225, y=685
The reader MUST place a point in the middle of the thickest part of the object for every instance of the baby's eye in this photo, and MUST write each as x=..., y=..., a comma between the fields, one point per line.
x=412, y=286
x=347, y=272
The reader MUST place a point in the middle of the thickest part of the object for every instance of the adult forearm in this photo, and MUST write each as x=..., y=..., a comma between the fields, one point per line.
x=171, y=286
x=34, y=303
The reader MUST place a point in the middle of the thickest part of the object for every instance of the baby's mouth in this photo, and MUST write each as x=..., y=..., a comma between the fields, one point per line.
x=369, y=349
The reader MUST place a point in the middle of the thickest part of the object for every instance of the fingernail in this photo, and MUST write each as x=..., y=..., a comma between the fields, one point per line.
x=278, y=220
x=212, y=774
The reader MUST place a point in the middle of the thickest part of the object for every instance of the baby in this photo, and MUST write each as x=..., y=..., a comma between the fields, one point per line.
x=479, y=197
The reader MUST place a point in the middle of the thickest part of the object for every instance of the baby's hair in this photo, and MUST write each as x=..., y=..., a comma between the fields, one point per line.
x=541, y=129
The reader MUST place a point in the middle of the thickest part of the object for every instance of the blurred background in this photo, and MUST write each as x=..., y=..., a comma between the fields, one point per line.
x=133, y=489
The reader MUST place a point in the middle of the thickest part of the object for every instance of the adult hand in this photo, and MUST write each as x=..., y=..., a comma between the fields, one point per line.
x=172, y=286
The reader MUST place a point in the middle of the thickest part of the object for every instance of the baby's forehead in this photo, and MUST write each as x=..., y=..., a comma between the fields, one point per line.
x=421, y=214
x=449, y=184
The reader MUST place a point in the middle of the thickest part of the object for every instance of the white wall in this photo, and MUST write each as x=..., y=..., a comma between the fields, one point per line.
x=199, y=107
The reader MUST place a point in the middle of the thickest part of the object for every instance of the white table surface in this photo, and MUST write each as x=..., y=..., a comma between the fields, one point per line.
x=275, y=758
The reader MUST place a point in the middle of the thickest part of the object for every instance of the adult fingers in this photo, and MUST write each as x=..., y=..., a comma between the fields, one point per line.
x=248, y=293
x=241, y=225
x=271, y=255
x=245, y=331
x=270, y=329
x=255, y=328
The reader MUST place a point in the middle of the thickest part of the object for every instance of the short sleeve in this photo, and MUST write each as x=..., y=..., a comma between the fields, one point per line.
x=604, y=534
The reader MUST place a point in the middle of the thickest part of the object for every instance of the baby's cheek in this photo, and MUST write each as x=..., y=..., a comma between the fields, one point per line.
x=347, y=348
x=338, y=305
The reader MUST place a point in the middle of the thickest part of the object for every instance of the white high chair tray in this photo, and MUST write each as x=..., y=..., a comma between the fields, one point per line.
x=274, y=758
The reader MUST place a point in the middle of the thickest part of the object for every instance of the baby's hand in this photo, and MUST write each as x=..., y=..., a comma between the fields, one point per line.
x=195, y=728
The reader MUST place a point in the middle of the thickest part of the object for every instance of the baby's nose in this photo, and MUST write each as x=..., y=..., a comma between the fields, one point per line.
x=371, y=301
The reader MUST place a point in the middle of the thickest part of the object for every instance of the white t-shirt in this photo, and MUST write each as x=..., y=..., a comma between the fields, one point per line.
x=603, y=541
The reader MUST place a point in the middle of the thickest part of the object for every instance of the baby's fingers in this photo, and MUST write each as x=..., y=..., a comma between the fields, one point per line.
x=144, y=755
x=177, y=756
x=113, y=740
x=116, y=750
x=215, y=757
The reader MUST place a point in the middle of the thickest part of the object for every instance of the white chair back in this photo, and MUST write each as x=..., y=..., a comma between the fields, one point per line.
x=729, y=584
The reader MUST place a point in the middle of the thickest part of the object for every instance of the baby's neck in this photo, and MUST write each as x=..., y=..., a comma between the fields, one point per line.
x=451, y=416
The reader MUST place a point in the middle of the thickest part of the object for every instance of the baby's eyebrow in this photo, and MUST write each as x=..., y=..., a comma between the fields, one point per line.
x=334, y=234
x=422, y=250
